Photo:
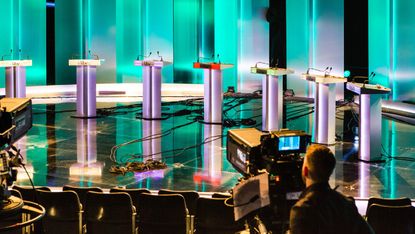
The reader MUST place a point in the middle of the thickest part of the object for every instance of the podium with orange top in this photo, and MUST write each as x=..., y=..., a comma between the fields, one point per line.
x=151, y=87
x=272, y=98
x=213, y=93
x=15, y=77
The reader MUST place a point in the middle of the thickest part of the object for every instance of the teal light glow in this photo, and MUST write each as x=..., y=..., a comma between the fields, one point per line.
x=185, y=43
x=379, y=41
x=346, y=73
x=298, y=44
x=226, y=38
x=129, y=39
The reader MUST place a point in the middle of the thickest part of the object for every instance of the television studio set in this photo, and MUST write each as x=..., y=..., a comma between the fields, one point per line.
x=207, y=116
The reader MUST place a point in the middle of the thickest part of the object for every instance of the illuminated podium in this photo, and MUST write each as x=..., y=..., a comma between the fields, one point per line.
x=324, y=107
x=151, y=87
x=15, y=77
x=213, y=93
x=370, y=120
x=86, y=97
x=272, y=96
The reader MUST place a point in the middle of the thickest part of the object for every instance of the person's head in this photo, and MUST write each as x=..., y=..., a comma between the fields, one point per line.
x=319, y=163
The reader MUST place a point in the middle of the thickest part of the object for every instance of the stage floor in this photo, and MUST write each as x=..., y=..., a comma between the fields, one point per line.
x=61, y=150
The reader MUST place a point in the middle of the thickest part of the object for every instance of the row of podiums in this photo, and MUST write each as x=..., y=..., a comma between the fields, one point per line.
x=370, y=97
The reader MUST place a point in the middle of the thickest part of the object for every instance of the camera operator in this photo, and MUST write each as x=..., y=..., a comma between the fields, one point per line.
x=320, y=208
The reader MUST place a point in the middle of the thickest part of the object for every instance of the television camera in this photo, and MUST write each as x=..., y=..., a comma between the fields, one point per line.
x=277, y=153
x=15, y=122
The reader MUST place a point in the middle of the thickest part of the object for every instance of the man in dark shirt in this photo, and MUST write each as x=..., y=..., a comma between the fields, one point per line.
x=320, y=208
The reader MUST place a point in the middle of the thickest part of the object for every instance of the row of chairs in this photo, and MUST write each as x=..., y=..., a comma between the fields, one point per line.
x=387, y=216
x=131, y=211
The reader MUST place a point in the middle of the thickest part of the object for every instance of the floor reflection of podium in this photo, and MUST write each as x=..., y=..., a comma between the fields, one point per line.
x=272, y=96
x=15, y=77
x=86, y=97
x=86, y=150
x=213, y=94
x=151, y=87
x=212, y=155
x=370, y=121
x=151, y=140
x=324, y=107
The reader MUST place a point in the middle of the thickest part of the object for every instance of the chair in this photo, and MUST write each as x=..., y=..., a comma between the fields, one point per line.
x=190, y=197
x=63, y=212
x=221, y=195
x=391, y=219
x=132, y=192
x=403, y=201
x=109, y=213
x=81, y=191
x=162, y=214
x=28, y=193
x=213, y=216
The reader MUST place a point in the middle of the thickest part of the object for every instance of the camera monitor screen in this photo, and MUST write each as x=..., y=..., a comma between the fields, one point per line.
x=287, y=143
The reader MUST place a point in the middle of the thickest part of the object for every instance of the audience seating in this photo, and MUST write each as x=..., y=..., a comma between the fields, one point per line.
x=132, y=192
x=190, y=197
x=213, y=216
x=63, y=212
x=109, y=213
x=403, y=201
x=165, y=213
x=28, y=193
x=81, y=191
x=391, y=219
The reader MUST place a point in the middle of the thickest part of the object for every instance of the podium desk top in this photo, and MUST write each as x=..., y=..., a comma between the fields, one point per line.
x=361, y=88
x=151, y=63
x=324, y=79
x=84, y=62
x=15, y=63
x=212, y=66
x=273, y=71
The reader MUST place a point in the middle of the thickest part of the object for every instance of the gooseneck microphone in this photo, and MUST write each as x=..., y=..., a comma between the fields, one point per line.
x=143, y=56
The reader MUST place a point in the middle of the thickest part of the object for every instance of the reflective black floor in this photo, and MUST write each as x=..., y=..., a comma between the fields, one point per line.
x=62, y=150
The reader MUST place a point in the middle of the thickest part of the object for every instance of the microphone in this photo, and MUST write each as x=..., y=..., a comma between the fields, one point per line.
x=207, y=58
x=11, y=52
x=327, y=71
x=93, y=55
x=218, y=58
x=158, y=54
x=256, y=64
x=143, y=56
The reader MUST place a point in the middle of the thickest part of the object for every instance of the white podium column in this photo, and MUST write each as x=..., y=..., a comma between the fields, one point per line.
x=325, y=113
x=272, y=101
x=370, y=126
x=213, y=96
x=15, y=77
x=151, y=87
x=370, y=118
x=324, y=106
x=86, y=91
x=272, y=96
x=86, y=96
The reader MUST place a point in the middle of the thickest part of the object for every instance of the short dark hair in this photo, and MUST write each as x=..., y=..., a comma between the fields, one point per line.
x=321, y=162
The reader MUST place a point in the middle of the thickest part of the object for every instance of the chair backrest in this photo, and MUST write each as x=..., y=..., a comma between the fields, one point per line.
x=221, y=195
x=81, y=191
x=403, y=201
x=161, y=213
x=63, y=212
x=109, y=213
x=28, y=193
x=190, y=197
x=391, y=219
x=213, y=216
x=132, y=192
